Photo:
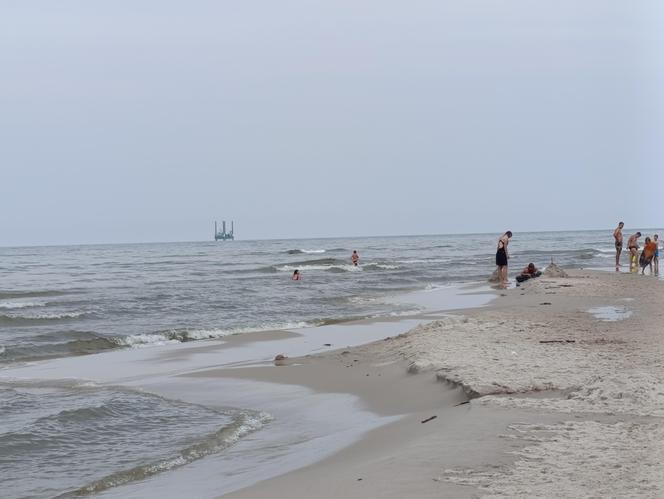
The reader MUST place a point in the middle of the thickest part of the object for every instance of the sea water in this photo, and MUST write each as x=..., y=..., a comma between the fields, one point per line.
x=75, y=438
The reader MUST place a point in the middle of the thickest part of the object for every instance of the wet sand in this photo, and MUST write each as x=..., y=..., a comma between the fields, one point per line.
x=565, y=389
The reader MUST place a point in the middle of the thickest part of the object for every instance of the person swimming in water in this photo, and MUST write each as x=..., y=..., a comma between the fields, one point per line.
x=355, y=258
x=296, y=275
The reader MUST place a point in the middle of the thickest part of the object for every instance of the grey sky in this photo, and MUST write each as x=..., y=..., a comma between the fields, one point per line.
x=144, y=121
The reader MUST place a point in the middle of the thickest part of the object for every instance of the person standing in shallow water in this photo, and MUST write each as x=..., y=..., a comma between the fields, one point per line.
x=502, y=256
x=655, y=259
x=618, y=236
x=633, y=247
x=355, y=258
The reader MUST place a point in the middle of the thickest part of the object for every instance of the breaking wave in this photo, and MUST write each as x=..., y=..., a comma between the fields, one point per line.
x=331, y=265
x=304, y=251
x=185, y=335
x=74, y=343
x=18, y=320
x=10, y=305
x=8, y=295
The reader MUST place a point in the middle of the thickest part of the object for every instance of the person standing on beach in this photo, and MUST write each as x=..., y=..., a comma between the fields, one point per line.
x=355, y=258
x=501, y=258
x=647, y=255
x=618, y=236
x=655, y=260
x=633, y=247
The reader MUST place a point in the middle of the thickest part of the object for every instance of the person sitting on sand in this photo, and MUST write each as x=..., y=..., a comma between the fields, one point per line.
x=529, y=272
x=649, y=249
x=355, y=258
x=633, y=247
x=296, y=275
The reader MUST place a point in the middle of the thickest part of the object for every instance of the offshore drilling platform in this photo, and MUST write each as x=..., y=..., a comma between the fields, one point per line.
x=223, y=235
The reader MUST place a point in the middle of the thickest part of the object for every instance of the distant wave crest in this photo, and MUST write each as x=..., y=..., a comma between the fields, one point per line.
x=305, y=251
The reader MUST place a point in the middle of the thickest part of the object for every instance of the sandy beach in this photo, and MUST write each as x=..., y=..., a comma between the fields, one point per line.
x=562, y=379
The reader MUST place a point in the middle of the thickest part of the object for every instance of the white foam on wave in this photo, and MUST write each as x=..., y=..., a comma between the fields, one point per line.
x=145, y=340
x=340, y=266
x=9, y=305
x=384, y=266
x=63, y=315
x=430, y=260
x=301, y=268
x=312, y=251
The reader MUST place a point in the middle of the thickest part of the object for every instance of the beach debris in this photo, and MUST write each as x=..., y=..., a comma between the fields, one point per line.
x=545, y=303
x=280, y=359
x=462, y=403
x=345, y=352
x=557, y=341
x=552, y=270
x=327, y=344
x=359, y=479
x=429, y=419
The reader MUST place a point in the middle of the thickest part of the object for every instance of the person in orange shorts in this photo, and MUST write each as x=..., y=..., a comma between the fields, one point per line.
x=647, y=255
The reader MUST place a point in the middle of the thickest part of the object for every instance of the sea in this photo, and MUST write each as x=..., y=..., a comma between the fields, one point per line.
x=69, y=438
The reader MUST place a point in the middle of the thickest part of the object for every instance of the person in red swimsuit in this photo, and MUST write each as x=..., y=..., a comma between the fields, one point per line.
x=355, y=258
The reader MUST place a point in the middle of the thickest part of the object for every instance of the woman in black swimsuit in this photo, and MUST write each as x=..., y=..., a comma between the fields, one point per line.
x=502, y=256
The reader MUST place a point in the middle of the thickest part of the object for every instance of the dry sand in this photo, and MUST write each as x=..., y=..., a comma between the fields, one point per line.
x=561, y=403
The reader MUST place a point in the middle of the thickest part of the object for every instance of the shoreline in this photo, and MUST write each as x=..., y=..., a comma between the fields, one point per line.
x=336, y=420
x=568, y=426
x=541, y=364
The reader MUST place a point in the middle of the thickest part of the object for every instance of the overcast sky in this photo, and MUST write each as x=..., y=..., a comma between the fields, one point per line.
x=127, y=120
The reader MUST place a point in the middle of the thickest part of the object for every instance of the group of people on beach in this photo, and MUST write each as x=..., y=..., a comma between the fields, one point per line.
x=502, y=256
x=649, y=257
x=354, y=258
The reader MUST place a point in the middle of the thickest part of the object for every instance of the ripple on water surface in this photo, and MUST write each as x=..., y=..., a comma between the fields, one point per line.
x=71, y=441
